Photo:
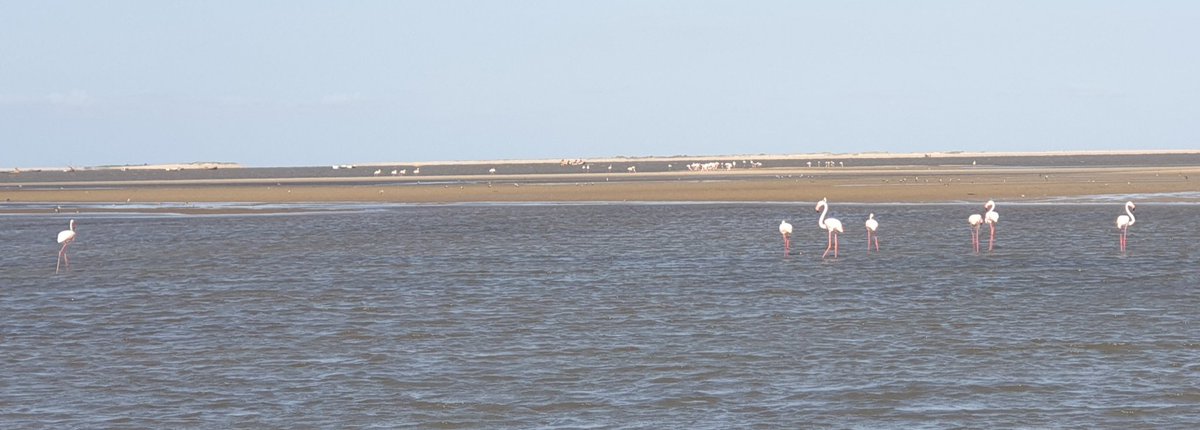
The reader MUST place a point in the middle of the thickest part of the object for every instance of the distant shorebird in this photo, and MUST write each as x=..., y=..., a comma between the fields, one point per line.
x=65, y=237
x=1124, y=221
x=991, y=218
x=785, y=229
x=872, y=225
x=832, y=225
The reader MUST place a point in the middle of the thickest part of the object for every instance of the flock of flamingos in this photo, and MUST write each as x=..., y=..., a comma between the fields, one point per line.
x=832, y=225
x=990, y=217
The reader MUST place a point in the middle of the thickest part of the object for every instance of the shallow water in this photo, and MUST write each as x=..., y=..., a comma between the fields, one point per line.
x=608, y=316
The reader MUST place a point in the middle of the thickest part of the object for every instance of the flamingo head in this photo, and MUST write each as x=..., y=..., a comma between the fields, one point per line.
x=871, y=216
x=72, y=225
x=989, y=205
x=821, y=204
x=1131, y=206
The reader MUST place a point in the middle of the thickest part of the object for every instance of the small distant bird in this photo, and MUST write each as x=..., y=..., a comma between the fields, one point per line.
x=1124, y=221
x=872, y=225
x=492, y=170
x=832, y=225
x=378, y=171
x=65, y=237
x=785, y=229
x=976, y=220
x=991, y=218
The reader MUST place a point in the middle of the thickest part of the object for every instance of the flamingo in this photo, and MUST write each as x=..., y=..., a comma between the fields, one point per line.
x=785, y=229
x=975, y=220
x=872, y=225
x=830, y=224
x=1124, y=221
x=991, y=218
x=65, y=237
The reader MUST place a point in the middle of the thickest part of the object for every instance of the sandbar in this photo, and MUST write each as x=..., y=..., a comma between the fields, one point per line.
x=899, y=183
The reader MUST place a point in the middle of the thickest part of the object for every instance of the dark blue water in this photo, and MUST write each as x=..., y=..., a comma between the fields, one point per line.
x=602, y=316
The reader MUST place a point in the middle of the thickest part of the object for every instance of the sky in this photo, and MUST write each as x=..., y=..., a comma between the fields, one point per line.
x=299, y=83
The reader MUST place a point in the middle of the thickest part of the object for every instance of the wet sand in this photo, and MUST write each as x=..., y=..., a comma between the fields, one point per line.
x=901, y=183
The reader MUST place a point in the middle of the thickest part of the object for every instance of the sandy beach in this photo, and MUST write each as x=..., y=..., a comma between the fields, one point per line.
x=902, y=181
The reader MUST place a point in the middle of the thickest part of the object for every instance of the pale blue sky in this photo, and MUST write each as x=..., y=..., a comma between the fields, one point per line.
x=315, y=83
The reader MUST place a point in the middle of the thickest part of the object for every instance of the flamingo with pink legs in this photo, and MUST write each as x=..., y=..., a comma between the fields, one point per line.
x=872, y=225
x=785, y=229
x=65, y=237
x=991, y=218
x=975, y=220
x=1124, y=221
x=832, y=225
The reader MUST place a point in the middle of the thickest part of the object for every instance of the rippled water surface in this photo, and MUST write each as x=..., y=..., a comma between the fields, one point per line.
x=607, y=316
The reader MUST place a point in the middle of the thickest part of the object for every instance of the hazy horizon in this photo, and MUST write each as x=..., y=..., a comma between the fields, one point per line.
x=315, y=83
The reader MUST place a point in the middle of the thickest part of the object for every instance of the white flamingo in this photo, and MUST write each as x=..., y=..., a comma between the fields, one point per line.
x=1124, y=221
x=991, y=218
x=872, y=225
x=975, y=220
x=832, y=225
x=65, y=237
x=785, y=229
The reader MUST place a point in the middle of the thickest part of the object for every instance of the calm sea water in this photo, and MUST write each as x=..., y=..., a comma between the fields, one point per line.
x=602, y=316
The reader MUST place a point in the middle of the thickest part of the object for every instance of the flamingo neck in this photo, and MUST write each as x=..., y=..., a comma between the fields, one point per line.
x=1130, y=213
x=821, y=221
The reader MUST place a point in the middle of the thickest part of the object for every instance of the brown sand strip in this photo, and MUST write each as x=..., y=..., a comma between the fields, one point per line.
x=766, y=185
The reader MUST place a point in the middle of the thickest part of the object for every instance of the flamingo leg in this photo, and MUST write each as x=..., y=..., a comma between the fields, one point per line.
x=876, y=242
x=830, y=245
x=868, y=240
x=975, y=238
x=835, y=245
x=62, y=255
x=1124, y=237
x=992, y=237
